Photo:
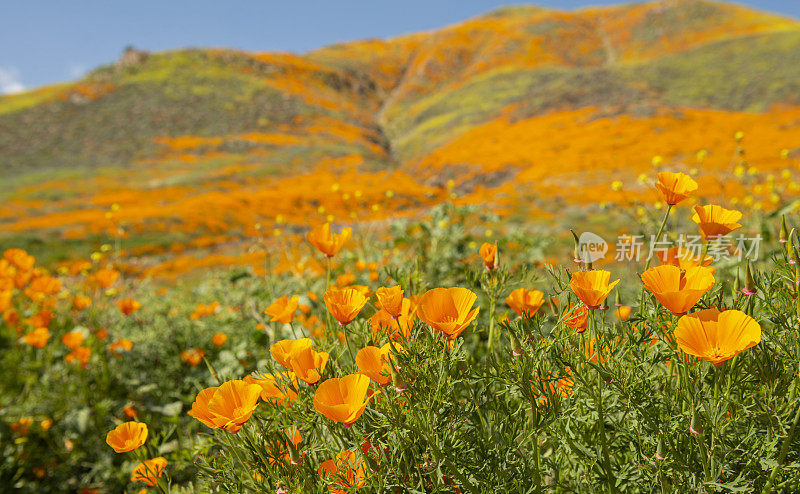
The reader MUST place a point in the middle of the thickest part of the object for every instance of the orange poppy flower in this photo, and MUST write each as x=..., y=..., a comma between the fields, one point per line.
x=390, y=300
x=204, y=310
x=128, y=306
x=120, y=346
x=374, y=276
x=129, y=411
x=592, y=287
x=448, y=310
x=361, y=265
x=284, y=455
x=283, y=309
x=37, y=338
x=149, y=471
x=590, y=351
x=346, y=470
x=623, y=312
x=193, y=356
x=5, y=299
x=282, y=350
x=73, y=339
x=327, y=242
x=548, y=387
x=683, y=258
x=345, y=304
x=280, y=389
x=344, y=400
x=300, y=358
x=19, y=259
x=678, y=290
x=127, y=436
x=81, y=302
x=397, y=328
x=227, y=406
x=489, y=254
x=106, y=277
x=345, y=279
x=308, y=364
x=41, y=319
x=79, y=355
x=374, y=363
x=716, y=336
x=524, y=301
x=675, y=187
x=219, y=339
x=576, y=317
x=41, y=287
x=716, y=221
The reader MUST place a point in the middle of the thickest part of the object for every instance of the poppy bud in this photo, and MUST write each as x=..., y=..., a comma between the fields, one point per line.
x=516, y=346
x=294, y=455
x=617, y=299
x=790, y=252
x=784, y=236
x=737, y=284
x=749, y=282
x=797, y=275
x=661, y=449
x=576, y=256
x=696, y=427
x=397, y=380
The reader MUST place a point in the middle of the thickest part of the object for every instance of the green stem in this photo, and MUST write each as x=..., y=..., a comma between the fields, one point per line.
x=328, y=276
x=787, y=441
x=491, y=317
x=601, y=421
x=649, y=258
x=537, y=461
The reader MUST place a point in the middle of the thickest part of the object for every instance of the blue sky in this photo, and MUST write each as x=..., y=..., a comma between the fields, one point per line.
x=49, y=41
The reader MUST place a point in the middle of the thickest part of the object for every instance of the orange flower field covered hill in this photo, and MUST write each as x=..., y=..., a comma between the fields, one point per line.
x=207, y=157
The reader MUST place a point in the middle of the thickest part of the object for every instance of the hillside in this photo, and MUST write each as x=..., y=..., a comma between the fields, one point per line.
x=519, y=107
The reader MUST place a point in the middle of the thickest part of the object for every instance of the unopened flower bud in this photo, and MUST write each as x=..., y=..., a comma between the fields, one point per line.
x=784, y=235
x=661, y=449
x=397, y=380
x=617, y=300
x=749, y=282
x=516, y=346
x=696, y=426
x=576, y=256
x=737, y=283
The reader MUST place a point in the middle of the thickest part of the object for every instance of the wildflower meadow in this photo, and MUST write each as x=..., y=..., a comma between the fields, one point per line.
x=536, y=250
x=426, y=360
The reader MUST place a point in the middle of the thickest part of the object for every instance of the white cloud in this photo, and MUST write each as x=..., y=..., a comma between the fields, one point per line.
x=10, y=81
